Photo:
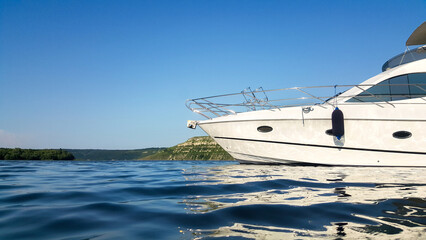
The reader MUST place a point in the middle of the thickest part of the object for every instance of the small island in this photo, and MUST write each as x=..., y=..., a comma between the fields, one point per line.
x=32, y=154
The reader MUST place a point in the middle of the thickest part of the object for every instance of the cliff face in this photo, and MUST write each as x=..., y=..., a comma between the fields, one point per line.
x=196, y=148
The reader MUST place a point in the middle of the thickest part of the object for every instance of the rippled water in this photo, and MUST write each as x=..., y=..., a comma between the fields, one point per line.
x=208, y=200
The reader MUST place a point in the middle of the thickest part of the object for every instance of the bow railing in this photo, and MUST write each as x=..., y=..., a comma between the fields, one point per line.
x=260, y=99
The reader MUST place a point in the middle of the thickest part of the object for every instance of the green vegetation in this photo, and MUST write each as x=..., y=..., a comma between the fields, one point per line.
x=196, y=148
x=30, y=154
x=99, y=154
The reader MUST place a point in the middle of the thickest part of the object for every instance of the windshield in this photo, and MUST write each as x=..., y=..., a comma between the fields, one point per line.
x=406, y=57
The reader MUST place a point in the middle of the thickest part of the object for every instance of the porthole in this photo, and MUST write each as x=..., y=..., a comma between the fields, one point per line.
x=264, y=129
x=401, y=134
x=329, y=132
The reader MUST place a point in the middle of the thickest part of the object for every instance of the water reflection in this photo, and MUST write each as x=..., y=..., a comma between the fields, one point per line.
x=276, y=202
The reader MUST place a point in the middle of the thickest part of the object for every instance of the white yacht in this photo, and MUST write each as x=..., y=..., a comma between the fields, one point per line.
x=380, y=122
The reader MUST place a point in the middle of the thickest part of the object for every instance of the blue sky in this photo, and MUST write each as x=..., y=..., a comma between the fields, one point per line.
x=116, y=74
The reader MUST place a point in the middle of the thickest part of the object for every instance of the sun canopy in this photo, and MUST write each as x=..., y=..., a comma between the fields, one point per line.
x=418, y=37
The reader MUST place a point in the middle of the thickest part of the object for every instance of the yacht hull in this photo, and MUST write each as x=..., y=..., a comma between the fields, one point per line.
x=301, y=138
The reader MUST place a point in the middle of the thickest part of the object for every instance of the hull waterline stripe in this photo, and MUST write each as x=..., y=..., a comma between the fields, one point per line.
x=323, y=146
x=297, y=163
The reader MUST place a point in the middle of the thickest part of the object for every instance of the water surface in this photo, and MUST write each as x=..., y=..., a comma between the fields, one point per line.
x=208, y=200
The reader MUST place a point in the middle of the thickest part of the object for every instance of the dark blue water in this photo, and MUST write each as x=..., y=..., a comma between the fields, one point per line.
x=208, y=200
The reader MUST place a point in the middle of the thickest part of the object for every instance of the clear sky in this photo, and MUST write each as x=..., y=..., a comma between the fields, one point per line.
x=116, y=74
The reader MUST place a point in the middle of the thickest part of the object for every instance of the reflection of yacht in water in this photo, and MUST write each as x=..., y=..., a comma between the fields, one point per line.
x=381, y=122
x=308, y=202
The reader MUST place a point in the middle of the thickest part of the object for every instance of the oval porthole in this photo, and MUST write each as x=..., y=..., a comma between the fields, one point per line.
x=401, y=134
x=329, y=132
x=264, y=129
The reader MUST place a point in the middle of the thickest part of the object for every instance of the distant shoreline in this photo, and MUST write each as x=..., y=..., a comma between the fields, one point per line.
x=194, y=149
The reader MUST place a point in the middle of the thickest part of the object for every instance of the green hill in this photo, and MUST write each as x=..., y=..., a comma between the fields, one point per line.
x=100, y=154
x=196, y=148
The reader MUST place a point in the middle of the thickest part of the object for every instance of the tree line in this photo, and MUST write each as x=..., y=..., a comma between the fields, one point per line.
x=31, y=154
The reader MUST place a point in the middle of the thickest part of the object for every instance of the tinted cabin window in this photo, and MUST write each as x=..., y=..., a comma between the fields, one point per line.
x=419, y=82
x=399, y=92
x=406, y=86
x=381, y=93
